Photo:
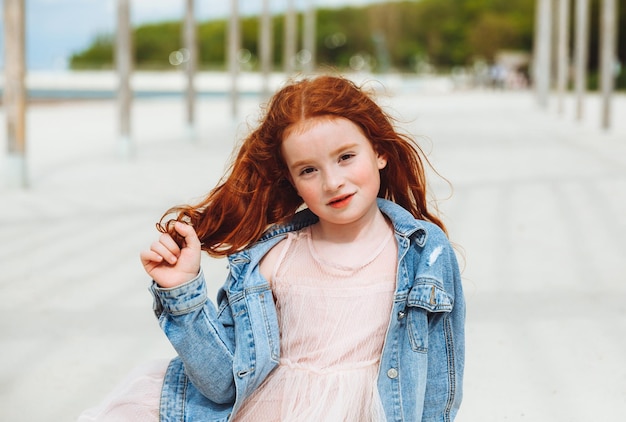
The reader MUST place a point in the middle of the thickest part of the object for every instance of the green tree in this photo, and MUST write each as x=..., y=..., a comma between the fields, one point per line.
x=99, y=55
x=212, y=44
x=444, y=33
x=153, y=44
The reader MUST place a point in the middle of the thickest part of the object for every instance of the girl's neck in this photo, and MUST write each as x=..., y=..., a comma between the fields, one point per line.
x=349, y=244
x=370, y=228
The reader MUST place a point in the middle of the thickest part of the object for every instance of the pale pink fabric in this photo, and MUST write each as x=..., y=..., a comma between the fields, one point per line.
x=333, y=321
x=135, y=399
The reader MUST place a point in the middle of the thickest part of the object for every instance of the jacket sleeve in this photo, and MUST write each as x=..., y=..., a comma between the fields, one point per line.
x=202, y=335
x=446, y=353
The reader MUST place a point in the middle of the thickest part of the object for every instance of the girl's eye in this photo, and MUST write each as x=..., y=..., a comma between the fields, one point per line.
x=307, y=170
x=345, y=157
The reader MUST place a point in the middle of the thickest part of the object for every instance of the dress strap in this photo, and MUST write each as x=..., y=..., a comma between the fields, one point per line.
x=283, y=252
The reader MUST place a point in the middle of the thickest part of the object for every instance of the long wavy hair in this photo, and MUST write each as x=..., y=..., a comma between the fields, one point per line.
x=256, y=192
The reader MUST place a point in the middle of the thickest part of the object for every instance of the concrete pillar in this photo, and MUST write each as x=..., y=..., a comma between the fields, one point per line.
x=608, y=55
x=309, y=36
x=543, y=43
x=265, y=48
x=233, y=52
x=15, y=95
x=290, y=38
x=581, y=52
x=124, y=63
x=563, y=60
x=191, y=46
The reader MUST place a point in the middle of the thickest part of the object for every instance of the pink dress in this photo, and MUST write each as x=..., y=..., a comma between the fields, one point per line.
x=333, y=320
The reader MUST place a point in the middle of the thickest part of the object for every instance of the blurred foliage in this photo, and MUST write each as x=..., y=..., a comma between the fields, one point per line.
x=406, y=36
x=154, y=42
x=99, y=55
x=396, y=34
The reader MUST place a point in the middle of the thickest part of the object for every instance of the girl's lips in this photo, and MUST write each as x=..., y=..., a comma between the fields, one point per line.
x=340, y=201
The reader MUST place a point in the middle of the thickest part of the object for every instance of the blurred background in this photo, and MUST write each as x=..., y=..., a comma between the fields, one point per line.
x=115, y=110
x=476, y=43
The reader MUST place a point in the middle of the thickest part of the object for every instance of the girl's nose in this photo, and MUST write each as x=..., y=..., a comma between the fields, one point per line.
x=333, y=180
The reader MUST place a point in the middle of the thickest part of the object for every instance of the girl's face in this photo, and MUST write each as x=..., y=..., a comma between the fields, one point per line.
x=334, y=168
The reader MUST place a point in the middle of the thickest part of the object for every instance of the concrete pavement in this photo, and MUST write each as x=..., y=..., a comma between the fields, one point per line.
x=538, y=211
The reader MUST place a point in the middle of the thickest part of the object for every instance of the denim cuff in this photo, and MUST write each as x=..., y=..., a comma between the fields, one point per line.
x=181, y=299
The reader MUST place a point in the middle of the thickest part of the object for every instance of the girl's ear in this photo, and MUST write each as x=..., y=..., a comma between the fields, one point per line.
x=381, y=160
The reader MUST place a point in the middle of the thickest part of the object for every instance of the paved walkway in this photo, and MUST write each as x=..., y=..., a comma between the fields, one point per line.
x=538, y=212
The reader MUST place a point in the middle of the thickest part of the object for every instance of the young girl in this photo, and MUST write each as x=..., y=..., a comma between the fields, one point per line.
x=343, y=301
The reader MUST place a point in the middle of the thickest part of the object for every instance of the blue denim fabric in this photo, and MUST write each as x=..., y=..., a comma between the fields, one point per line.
x=225, y=352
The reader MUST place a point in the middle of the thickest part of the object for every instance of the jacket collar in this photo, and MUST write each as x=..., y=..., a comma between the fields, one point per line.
x=403, y=222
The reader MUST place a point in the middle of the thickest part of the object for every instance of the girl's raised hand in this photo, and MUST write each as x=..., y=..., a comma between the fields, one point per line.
x=170, y=265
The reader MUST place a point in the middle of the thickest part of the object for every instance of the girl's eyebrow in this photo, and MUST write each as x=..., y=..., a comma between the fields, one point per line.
x=337, y=151
x=299, y=164
x=343, y=148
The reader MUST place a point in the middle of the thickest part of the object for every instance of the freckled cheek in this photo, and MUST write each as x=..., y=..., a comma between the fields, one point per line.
x=366, y=176
x=307, y=191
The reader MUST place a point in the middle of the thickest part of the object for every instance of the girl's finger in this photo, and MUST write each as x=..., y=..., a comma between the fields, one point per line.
x=167, y=241
x=188, y=232
x=169, y=255
x=148, y=257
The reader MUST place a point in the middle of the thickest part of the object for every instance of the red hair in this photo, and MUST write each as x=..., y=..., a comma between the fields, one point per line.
x=256, y=192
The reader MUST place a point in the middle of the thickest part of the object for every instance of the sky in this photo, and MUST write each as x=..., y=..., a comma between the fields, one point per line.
x=57, y=28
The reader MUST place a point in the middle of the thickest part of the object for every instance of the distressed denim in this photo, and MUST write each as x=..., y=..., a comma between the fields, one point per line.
x=225, y=352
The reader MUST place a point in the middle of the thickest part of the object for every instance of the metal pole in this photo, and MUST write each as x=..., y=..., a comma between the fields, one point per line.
x=290, y=38
x=15, y=92
x=265, y=48
x=581, y=51
x=543, y=22
x=563, y=53
x=309, y=36
x=233, y=50
x=191, y=65
x=608, y=53
x=123, y=56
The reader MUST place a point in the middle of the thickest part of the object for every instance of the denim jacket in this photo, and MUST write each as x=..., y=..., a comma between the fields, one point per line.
x=225, y=352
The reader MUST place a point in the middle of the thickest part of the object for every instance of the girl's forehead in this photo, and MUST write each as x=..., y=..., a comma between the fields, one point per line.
x=309, y=123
